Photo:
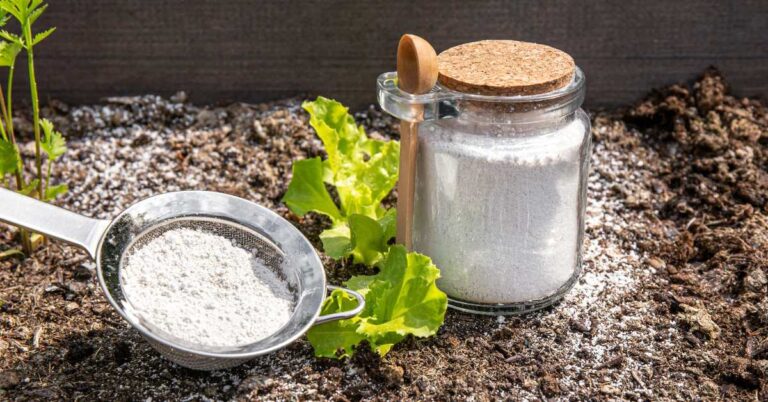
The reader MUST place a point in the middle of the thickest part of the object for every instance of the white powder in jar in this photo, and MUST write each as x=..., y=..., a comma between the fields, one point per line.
x=500, y=214
x=202, y=288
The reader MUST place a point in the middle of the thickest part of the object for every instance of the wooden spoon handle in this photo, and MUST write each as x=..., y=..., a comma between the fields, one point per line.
x=406, y=186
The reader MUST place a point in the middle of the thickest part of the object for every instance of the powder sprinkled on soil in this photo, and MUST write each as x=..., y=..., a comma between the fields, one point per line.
x=201, y=288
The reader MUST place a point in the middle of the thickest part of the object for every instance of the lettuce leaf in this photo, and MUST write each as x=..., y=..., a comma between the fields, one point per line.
x=405, y=300
x=337, y=241
x=367, y=239
x=401, y=300
x=337, y=338
x=307, y=191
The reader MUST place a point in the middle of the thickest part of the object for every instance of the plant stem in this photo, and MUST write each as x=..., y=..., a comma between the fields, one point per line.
x=9, y=122
x=35, y=107
x=5, y=115
x=9, y=110
x=48, y=176
x=26, y=243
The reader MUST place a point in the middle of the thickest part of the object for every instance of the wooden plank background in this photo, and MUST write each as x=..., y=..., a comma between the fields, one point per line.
x=251, y=50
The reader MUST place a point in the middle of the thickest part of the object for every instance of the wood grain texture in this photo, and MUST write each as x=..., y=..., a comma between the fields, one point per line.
x=255, y=50
x=406, y=184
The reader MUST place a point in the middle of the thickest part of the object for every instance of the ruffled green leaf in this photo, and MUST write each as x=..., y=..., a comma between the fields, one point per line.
x=307, y=192
x=362, y=237
x=355, y=198
x=362, y=170
x=341, y=137
x=380, y=172
x=367, y=237
x=337, y=241
x=336, y=339
x=388, y=224
x=401, y=300
x=408, y=301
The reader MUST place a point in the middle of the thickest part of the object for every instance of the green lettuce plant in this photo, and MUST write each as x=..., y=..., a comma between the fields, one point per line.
x=362, y=170
x=47, y=139
x=402, y=298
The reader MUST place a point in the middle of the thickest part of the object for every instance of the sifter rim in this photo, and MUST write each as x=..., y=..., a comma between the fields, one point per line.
x=314, y=260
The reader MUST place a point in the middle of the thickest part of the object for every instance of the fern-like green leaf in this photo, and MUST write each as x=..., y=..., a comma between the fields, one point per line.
x=8, y=53
x=53, y=192
x=13, y=7
x=13, y=38
x=53, y=142
x=34, y=15
x=42, y=35
x=34, y=4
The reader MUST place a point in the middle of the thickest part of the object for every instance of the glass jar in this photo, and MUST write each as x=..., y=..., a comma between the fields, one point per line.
x=500, y=191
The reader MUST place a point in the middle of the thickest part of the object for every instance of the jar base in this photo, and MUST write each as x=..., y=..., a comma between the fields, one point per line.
x=520, y=308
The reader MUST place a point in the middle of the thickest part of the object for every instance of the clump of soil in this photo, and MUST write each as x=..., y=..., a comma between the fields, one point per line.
x=712, y=187
x=671, y=303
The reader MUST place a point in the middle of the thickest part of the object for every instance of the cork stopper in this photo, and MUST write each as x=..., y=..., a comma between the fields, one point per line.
x=504, y=68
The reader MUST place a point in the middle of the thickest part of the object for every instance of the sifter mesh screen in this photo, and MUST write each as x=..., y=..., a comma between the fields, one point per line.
x=243, y=237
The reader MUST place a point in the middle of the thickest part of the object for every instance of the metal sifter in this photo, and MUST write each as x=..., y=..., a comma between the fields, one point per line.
x=248, y=225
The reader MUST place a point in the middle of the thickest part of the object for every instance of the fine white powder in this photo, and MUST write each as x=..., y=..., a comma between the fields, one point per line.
x=200, y=287
x=499, y=214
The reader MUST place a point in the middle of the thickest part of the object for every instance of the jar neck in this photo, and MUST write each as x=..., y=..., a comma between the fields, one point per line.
x=530, y=116
x=513, y=123
x=442, y=103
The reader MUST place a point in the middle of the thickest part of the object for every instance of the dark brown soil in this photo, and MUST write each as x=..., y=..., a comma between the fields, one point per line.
x=671, y=303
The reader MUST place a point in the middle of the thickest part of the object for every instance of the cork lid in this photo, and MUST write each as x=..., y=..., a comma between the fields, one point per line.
x=504, y=68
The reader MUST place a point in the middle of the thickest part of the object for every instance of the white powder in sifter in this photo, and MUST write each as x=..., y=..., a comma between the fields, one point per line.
x=202, y=288
x=500, y=214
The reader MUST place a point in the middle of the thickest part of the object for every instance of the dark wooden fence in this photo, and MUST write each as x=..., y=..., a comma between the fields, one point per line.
x=251, y=50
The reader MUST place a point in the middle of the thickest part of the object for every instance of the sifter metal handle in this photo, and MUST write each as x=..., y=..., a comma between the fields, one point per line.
x=344, y=314
x=52, y=221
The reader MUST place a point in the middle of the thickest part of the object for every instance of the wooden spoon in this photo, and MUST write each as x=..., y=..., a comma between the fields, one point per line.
x=416, y=74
